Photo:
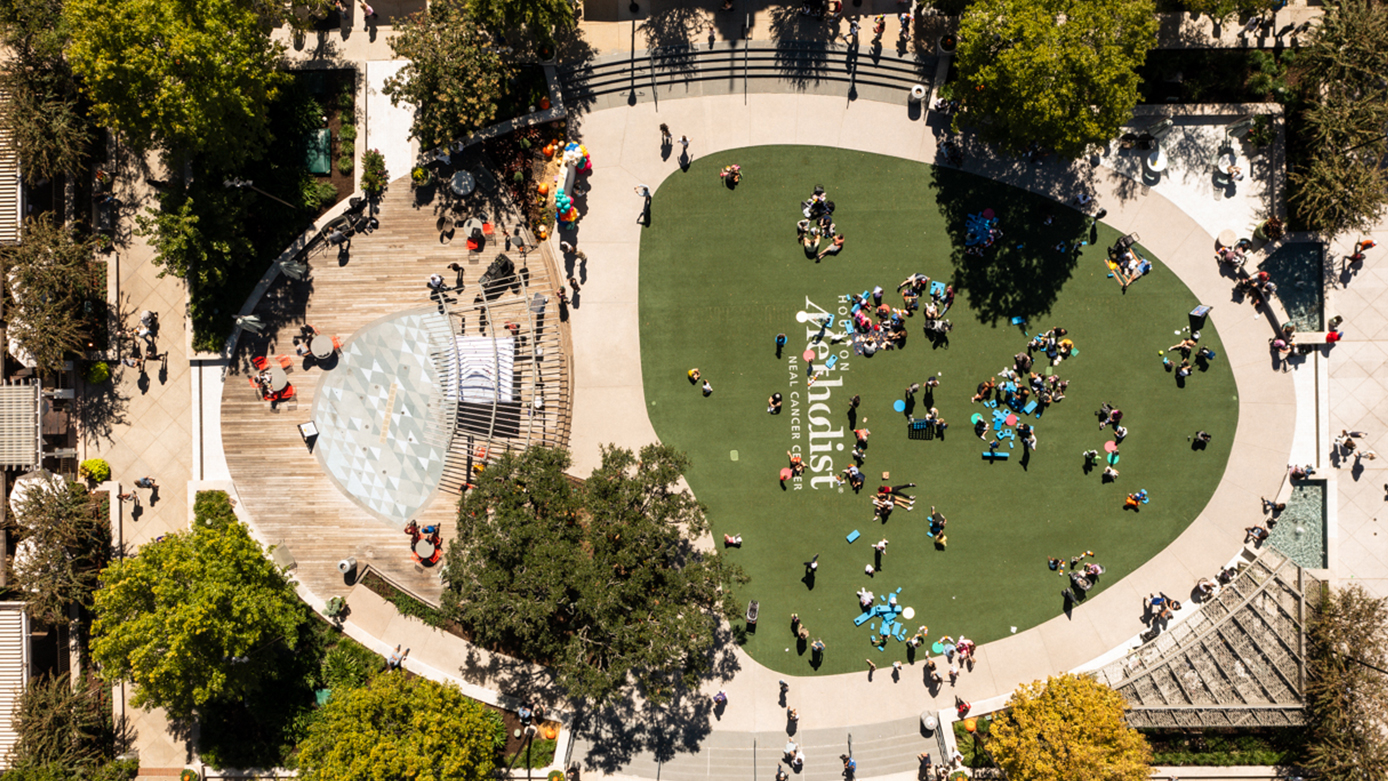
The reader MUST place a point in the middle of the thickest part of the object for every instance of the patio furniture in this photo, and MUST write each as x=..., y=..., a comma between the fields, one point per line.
x=260, y=363
x=278, y=379
x=463, y=183
x=322, y=347
x=285, y=361
x=1157, y=161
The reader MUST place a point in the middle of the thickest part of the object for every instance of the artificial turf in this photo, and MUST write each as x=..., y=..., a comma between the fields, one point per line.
x=722, y=274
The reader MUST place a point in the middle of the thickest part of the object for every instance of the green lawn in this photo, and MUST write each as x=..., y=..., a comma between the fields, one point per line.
x=722, y=274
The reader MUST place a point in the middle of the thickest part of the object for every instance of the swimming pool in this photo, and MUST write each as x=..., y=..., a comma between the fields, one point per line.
x=1297, y=268
x=1300, y=530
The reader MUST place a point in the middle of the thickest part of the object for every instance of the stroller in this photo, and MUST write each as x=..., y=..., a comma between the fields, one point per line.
x=753, y=607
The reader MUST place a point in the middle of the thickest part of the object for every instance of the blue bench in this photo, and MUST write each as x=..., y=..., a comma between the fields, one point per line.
x=994, y=455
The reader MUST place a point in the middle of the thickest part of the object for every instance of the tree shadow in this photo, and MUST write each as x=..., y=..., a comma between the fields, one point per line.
x=1022, y=273
x=802, y=45
x=670, y=38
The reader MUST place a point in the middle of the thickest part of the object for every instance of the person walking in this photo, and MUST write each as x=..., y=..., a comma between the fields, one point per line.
x=146, y=482
x=665, y=139
x=397, y=658
x=458, y=275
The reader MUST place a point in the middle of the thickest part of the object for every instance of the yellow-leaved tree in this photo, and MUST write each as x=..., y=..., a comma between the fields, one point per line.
x=1067, y=727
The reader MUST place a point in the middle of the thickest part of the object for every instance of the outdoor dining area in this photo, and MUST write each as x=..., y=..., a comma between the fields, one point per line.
x=271, y=380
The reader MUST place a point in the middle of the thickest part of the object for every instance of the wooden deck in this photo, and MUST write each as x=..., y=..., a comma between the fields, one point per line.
x=281, y=485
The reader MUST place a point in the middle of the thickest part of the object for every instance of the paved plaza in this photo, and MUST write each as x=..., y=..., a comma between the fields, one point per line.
x=189, y=422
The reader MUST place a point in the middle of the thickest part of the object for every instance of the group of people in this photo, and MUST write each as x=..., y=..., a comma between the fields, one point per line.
x=818, y=225
x=1257, y=287
x=1185, y=348
x=918, y=285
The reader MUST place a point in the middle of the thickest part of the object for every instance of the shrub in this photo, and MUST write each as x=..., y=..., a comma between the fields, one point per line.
x=213, y=508
x=95, y=469
x=317, y=194
x=345, y=164
x=346, y=668
x=373, y=173
x=541, y=754
x=346, y=148
x=347, y=132
x=1262, y=133
x=98, y=372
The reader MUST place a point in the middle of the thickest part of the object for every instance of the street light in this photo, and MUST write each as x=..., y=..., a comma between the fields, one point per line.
x=239, y=183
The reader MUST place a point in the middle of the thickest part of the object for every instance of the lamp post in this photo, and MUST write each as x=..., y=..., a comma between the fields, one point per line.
x=238, y=183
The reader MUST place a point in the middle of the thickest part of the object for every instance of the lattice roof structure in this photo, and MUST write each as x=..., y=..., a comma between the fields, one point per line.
x=1239, y=662
x=21, y=434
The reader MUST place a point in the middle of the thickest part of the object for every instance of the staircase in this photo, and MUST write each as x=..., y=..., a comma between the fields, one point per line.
x=735, y=67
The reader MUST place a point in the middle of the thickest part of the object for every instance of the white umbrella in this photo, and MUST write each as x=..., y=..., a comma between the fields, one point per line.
x=30, y=481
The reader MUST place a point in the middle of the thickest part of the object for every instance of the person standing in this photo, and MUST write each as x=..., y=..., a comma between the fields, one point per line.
x=367, y=12
x=458, y=275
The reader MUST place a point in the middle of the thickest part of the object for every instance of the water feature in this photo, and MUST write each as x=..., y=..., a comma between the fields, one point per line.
x=1297, y=268
x=1300, y=530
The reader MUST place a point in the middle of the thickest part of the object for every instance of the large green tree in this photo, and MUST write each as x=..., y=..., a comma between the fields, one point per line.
x=604, y=582
x=540, y=18
x=52, y=277
x=1347, y=699
x=455, y=76
x=399, y=726
x=193, y=617
x=1067, y=727
x=188, y=76
x=46, y=120
x=65, y=541
x=1341, y=185
x=1058, y=73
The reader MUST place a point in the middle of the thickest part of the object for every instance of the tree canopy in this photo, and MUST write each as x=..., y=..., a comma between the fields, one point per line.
x=1058, y=73
x=187, y=76
x=540, y=18
x=1067, y=727
x=1347, y=702
x=604, y=582
x=189, y=618
x=52, y=276
x=43, y=113
x=65, y=541
x=1341, y=185
x=399, y=726
x=455, y=76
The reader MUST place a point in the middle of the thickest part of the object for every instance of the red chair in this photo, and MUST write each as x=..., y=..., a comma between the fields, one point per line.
x=337, y=343
x=285, y=395
x=260, y=363
x=285, y=361
x=473, y=246
x=487, y=229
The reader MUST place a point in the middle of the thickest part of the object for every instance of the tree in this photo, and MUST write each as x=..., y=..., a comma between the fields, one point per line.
x=66, y=541
x=58, y=723
x=1060, y=74
x=190, y=618
x=1223, y=9
x=603, y=582
x=401, y=727
x=541, y=18
x=1341, y=187
x=455, y=76
x=1346, y=699
x=52, y=277
x=1066, y=727
x=187, y=76
x=43, y=115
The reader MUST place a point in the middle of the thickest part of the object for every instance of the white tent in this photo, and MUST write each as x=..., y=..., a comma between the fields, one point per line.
x=26, y=483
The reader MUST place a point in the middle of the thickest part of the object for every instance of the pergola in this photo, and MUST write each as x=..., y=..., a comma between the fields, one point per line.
x=21, y=433
x=1239, y=662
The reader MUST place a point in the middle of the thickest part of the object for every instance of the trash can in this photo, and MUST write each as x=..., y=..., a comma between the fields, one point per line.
x=918, y=93
x=347, y=566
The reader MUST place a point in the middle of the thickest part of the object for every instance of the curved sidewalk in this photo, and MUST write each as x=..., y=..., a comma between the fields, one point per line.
x=610, y=407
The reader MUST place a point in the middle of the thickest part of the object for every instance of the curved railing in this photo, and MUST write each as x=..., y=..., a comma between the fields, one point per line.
x=535, y=378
